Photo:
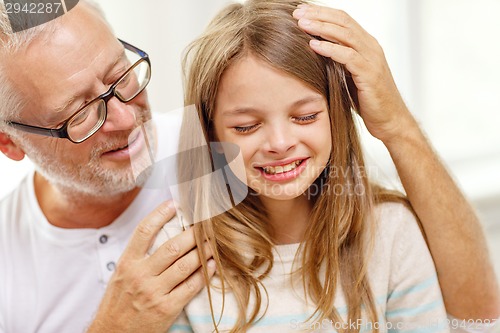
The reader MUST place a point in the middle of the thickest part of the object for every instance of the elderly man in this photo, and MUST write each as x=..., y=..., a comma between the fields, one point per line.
x=65, y=228
x=71, y=95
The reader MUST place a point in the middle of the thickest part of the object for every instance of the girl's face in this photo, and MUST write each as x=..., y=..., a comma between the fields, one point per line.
x=280, y=124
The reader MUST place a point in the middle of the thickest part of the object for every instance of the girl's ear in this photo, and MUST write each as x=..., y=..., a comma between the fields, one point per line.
x=10, y=149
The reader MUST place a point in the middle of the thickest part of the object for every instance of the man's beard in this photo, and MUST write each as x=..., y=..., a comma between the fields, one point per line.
x=93, y=178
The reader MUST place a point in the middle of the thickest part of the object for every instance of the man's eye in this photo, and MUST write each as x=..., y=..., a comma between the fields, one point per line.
x=79, y=119
x=245, y=129
x=125, y=81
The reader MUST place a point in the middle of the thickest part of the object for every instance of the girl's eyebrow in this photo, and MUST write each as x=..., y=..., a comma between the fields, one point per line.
x=300, y=102
x=306, y=100
x=240, y=111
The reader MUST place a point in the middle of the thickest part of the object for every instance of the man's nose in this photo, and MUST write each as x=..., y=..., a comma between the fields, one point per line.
x=120, y=117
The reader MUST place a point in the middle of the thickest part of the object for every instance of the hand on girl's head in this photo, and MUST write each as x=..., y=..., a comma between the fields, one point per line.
x=345, y=41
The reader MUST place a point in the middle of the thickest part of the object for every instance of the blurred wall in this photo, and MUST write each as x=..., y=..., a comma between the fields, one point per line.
x=443, y=55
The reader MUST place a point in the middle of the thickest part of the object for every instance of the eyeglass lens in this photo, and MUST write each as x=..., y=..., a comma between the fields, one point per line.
x=90, y=119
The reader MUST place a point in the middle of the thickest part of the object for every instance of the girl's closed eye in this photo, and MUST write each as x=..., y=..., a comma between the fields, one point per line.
x=307, y=119
x=245, y=129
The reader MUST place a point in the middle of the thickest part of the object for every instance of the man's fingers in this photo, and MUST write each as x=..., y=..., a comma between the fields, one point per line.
x=326, y=14
x=183, y=268
x=185, y=291
x=147, y=230
x=171, y=251
x=336, y=26
x=333, y=33
x=347, y=56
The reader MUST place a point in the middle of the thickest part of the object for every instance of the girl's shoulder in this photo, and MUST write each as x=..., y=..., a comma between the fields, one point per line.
x=395, y=219
x=396, y=236
x=401, y=270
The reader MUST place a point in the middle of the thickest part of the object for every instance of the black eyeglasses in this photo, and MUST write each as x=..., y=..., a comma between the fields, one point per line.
x=89, y=119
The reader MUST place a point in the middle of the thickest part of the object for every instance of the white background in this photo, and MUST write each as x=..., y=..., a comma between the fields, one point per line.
x=444, y=55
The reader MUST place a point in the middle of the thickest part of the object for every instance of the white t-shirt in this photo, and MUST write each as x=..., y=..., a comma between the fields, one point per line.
x=401, y=275
x=52, y=279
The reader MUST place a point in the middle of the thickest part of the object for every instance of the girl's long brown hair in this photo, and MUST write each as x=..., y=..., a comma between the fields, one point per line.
x=338, y=237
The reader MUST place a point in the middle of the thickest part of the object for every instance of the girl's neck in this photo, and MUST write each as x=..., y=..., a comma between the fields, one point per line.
x=288, y=218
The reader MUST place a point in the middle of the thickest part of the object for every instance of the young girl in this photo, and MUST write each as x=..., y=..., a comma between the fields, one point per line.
x=314, y=246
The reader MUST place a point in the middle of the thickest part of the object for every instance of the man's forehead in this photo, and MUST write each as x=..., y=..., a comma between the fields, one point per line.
x=65, y=100
x=65, y=57
x=81, y=48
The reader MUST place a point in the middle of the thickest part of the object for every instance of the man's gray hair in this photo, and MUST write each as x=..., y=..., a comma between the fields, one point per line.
x=10, y=100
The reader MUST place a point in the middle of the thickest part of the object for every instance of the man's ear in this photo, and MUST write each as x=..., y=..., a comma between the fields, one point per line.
x=10, y=149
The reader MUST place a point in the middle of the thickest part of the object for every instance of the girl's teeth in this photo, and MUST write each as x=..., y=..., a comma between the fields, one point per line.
x=280, y=169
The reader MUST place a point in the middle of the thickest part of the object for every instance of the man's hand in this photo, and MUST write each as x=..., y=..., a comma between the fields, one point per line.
x=381, y=106
x=147, y=293
x=454, y=233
